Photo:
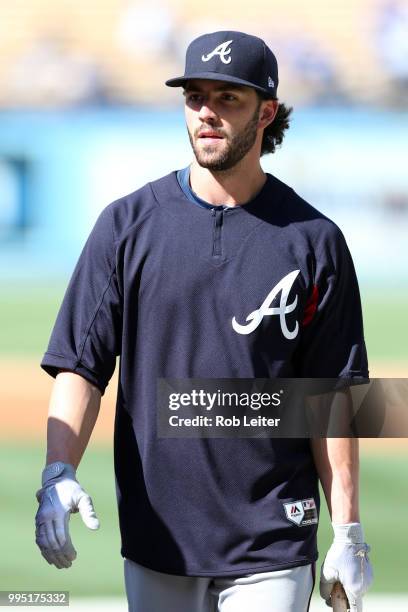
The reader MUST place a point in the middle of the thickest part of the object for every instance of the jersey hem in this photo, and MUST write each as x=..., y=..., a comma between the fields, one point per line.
x=351, y=378
x=52, y=362
x=255, y=569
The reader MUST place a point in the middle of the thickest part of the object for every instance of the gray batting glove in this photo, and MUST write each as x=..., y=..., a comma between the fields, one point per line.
x=60, y=496
x=347, y=562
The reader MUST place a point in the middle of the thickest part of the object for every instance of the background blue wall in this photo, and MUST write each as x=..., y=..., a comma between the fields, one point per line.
x=349, y=163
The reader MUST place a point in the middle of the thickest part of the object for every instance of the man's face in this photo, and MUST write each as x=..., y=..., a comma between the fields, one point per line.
x=222, y=122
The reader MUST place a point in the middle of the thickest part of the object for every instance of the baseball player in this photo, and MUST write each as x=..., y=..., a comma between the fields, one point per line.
x=178, y=278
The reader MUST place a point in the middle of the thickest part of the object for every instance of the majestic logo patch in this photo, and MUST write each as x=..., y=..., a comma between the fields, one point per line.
x=254, y=318
x=271, y=82
x=302, y=512
x=222, y=51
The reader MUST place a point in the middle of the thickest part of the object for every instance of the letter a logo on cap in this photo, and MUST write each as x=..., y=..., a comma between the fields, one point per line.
x=222, y=51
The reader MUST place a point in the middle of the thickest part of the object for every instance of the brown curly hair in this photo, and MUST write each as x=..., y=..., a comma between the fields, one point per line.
x=275, y=132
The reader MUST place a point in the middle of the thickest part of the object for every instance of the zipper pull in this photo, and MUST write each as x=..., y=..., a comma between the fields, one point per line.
x=220, y=218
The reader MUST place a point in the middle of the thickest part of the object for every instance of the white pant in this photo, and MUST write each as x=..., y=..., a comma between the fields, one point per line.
x=286, y=590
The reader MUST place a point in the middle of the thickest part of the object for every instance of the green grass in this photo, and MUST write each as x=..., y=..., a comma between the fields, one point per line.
x=383, y=504
x=28, y=314
x=98, y=568
x=385, y=323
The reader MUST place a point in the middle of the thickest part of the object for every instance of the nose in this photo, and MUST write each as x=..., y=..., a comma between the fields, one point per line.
x=207, y=113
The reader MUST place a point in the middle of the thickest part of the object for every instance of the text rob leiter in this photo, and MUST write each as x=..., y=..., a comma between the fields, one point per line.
x=221, y=421
x=218, y=401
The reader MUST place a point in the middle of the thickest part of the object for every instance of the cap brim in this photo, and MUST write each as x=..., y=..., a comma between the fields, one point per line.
x=216, y=76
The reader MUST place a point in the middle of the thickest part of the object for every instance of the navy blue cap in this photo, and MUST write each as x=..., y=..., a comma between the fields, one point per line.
x=234, y=57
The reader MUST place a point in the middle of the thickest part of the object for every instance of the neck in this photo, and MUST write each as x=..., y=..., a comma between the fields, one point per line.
x=232, y=187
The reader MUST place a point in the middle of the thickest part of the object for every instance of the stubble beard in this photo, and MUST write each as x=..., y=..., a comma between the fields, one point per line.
x=234, y=150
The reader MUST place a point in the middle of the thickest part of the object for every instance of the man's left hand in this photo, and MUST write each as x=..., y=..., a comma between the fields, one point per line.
x=347, y=562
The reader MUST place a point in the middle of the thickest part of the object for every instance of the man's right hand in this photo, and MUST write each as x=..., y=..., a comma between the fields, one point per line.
x=60, y=495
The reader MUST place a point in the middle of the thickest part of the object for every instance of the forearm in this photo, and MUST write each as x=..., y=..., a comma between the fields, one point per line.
x=337, y=464
x=73, y=411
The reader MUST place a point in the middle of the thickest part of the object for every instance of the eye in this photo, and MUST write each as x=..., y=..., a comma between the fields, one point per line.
x=193, y=97
x=229, y=97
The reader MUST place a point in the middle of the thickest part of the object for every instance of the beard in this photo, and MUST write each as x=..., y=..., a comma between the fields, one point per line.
x=234, y=148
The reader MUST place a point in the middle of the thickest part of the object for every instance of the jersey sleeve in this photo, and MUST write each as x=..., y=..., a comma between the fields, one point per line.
x=86, y=337
x=332, y=341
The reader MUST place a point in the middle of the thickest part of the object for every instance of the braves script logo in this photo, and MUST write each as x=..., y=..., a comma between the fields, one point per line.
x=222, y=51
x=254, y=318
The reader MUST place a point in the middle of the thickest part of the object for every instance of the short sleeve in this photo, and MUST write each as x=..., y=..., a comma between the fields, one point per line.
x=332, y=341
x=86, y=337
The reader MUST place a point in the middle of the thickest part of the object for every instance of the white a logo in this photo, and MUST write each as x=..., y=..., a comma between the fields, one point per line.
x=254, y=318
x=222, y=51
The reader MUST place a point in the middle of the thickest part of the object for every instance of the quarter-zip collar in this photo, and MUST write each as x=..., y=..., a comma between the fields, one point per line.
x=170, y=194
x=183, y=177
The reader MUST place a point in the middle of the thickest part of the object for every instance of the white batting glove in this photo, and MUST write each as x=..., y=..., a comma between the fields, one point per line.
x=347, y=562
x=60, y=496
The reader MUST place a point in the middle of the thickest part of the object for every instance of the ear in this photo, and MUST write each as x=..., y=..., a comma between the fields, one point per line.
x=269, y=108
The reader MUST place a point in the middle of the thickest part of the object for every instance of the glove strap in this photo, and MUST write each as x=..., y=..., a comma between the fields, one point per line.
x=55, y=470
x=349, y=533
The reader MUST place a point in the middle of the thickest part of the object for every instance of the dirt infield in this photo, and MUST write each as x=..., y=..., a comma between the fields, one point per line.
x=24, y=397
x=26, y=389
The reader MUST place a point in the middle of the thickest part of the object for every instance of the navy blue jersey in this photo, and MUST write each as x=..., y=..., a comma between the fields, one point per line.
x=182, y=291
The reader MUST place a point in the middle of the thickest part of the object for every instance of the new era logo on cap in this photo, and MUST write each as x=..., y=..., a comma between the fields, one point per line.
x=233, y=57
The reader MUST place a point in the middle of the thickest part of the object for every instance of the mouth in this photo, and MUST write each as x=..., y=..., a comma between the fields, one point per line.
x=209, y=139
x=209, y=135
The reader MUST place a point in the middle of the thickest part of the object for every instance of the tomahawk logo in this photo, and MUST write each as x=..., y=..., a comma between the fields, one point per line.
x=222, y=51
x=254, y=318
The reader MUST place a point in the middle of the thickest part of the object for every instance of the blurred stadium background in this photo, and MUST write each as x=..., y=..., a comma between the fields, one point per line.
x=85, y=118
